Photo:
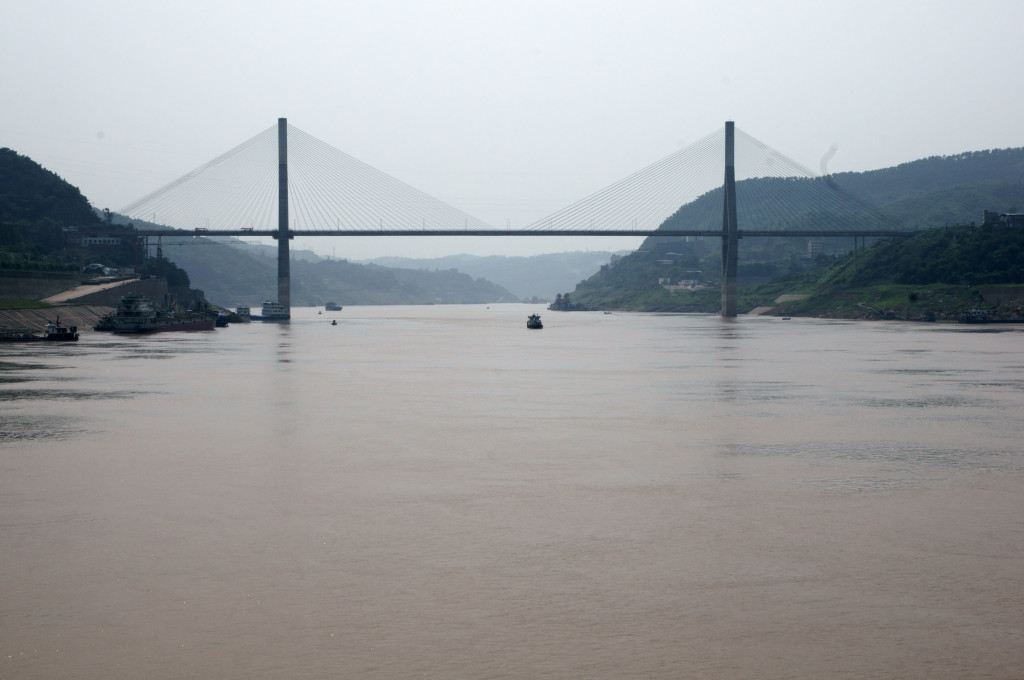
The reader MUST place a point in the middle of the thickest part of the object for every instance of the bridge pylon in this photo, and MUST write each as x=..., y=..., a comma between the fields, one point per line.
x=730, y=232
x=284, y=288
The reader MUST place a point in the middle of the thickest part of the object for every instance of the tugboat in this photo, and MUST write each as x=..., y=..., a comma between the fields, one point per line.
x=534, y=321
x=54, y=331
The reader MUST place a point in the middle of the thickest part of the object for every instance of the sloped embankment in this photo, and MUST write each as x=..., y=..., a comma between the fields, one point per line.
x=83, y=316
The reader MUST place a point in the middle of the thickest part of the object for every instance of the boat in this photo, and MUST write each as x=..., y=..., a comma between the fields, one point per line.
x=240, y=315
x=974, y=315
x=334, y=322
x=18, y=335
x=979, y=315
x=138, y=314
x=534, y=321
x=273, y=311
x=106, y=323
x=53, y=331
x=332, y=307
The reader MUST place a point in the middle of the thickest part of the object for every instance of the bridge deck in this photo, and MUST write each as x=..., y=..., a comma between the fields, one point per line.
x=779, y=233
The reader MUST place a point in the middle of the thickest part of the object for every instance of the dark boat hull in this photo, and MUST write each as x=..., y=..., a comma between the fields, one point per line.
x=39, y=338
x=207, y=324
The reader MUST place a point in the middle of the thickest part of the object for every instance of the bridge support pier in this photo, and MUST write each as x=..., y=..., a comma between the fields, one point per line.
x=284, y=285
x=730, y=237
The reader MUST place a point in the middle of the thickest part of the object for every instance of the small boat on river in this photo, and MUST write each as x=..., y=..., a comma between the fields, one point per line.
x=534, y=321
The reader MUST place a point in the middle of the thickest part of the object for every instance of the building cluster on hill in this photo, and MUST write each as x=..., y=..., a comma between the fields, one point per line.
x=1003, y=220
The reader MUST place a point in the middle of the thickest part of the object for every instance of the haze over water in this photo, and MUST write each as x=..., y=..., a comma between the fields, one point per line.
x=439, y=492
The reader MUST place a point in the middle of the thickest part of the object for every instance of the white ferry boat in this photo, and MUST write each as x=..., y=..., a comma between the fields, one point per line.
x=273, y=311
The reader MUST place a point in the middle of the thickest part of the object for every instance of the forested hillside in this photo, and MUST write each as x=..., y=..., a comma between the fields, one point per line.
x=966, y=256
x=33, y=194
x=932, y=192
x=937, y=273
x=35, y=207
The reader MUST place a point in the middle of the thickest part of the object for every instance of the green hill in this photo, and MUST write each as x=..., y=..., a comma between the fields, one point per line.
x=36, y=206
x=30, y=193
x=931, y=192
x=938, y=272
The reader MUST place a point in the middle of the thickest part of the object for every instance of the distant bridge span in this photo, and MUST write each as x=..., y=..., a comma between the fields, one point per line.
x=740, y=233
x=729, y=232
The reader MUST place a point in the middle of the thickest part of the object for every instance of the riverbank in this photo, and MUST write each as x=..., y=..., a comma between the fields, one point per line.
x=35, y=318
x=902, y=303
x=889, y=302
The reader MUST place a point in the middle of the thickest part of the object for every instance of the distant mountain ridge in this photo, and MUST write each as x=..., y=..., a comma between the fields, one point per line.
x=535, y=276
x=233, y=273
x=765, y=201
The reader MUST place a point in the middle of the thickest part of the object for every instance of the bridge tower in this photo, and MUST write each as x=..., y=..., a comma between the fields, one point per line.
x=730, y=238
x=284, y=290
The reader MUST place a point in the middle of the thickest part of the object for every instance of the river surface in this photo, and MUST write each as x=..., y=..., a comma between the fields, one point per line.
x=438, y=492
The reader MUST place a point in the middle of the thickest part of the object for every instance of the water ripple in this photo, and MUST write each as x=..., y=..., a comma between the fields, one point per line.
x=906, y=454
x=40, y=428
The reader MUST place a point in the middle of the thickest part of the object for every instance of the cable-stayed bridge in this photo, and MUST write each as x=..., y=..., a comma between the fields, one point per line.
x=284, y=183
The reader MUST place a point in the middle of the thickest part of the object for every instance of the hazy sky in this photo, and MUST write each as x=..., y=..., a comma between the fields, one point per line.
x=506, y=110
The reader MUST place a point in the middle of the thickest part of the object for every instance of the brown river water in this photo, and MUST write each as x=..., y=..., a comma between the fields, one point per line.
x=438, y=492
